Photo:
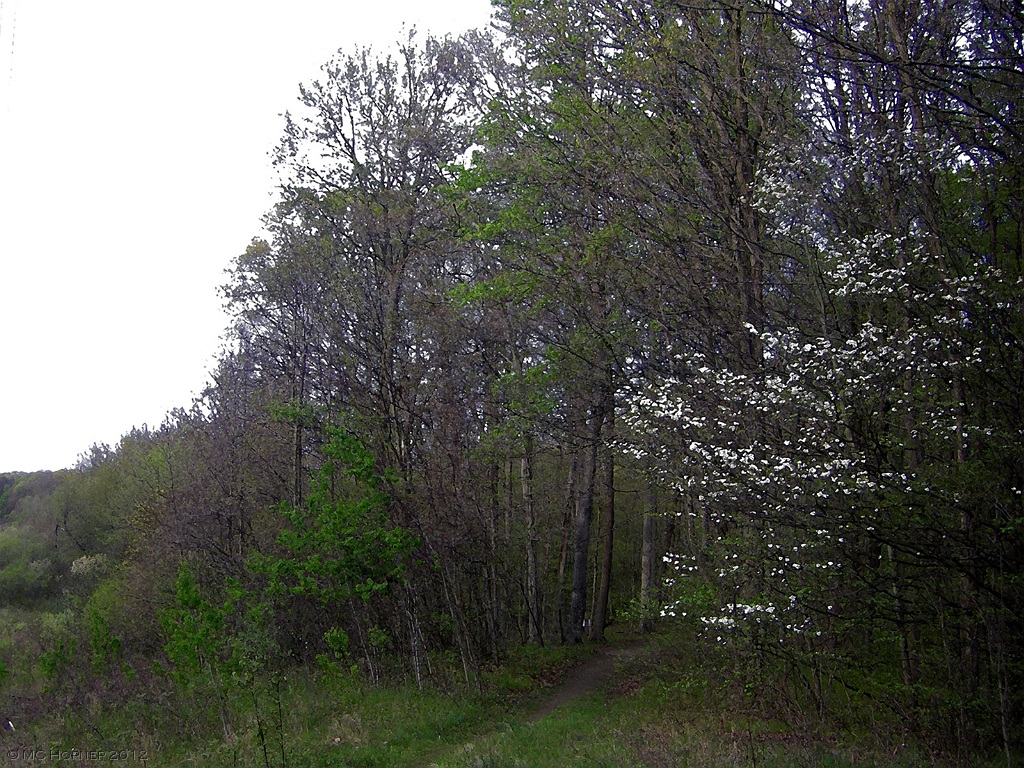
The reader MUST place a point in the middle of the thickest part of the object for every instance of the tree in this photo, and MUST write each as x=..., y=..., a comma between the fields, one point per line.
x=842, y=472
x=364, y=169
x=341, y=543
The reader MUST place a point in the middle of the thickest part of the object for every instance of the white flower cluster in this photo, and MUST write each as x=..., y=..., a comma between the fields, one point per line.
x=783, y=622
x=796, y=460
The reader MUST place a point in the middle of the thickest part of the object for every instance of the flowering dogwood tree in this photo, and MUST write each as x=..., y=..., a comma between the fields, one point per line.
x=858, y=488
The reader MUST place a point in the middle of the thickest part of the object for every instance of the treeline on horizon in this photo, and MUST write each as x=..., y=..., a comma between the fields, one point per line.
x=702, y=315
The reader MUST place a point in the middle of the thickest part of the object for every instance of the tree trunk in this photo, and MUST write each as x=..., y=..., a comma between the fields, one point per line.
x=608, y=519
x=532, y=589
x=584, y=516
x=568, y=514
x=648, y=564
x=492, y=614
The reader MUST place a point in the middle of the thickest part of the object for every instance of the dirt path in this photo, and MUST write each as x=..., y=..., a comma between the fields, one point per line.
x=589, y=676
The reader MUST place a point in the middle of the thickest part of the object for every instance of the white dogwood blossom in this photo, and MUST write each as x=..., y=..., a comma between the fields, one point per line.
x=805, y=461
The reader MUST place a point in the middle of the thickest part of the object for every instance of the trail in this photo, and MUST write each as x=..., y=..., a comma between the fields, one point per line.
x=590, y=676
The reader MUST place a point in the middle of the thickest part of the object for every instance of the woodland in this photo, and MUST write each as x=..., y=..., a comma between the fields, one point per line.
x=701, y=317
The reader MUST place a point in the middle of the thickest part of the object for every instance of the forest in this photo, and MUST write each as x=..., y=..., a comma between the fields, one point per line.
x=698, y=317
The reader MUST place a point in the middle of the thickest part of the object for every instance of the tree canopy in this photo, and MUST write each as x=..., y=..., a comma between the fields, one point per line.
x=706, y=314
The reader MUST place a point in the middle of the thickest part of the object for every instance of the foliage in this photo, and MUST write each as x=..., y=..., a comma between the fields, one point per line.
x=715, y=307
x=59, y=640
x=196, y=637
x=105, y=646
x=342, y=542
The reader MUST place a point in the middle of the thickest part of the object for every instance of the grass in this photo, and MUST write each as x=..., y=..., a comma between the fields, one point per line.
x=659, y=710
x=632, y=729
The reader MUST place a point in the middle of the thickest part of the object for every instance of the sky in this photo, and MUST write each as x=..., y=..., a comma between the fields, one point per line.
x=134, y=167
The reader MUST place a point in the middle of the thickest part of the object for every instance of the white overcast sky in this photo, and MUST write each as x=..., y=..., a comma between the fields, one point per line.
x=134, y=140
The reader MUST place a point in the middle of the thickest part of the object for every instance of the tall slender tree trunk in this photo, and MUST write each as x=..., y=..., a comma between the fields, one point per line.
x=584, y=515
x=581, y=544
x=568, y=516
x=534, y=634
x=298, y=399
x=608, y=519
x=648, y=563
x=493, y=628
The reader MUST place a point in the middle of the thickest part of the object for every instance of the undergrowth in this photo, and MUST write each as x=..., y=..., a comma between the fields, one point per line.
x=662, y=708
